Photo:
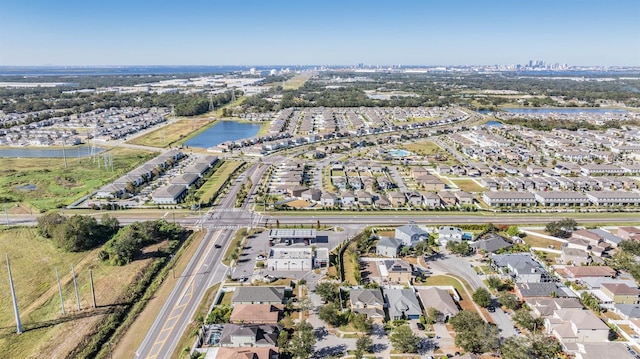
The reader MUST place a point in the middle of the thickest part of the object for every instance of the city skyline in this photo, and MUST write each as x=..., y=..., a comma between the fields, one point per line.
x=74, y=33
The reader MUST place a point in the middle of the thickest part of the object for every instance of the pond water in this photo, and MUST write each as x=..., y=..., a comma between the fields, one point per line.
x=224, y=131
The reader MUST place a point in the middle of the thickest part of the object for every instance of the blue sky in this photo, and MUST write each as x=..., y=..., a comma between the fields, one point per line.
x=346, y=32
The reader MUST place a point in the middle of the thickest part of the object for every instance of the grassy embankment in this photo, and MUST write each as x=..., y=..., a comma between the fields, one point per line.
x=33, y=262
x=172, y=133
x=212, y=186
x=57, y=186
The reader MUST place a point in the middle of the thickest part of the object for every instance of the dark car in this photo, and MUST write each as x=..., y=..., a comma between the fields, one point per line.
x=218, y=246
x=491, y=309
x=420, y=326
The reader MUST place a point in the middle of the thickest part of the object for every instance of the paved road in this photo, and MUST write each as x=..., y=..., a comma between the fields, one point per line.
x=203, y=270
x=462, y=267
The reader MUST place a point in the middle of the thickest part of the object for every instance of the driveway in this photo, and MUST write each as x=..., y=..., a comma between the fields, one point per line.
x=462, y=267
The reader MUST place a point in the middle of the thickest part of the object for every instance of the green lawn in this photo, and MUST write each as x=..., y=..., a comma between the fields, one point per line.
x=215, y=182
x=169, y=134
x=424, y=148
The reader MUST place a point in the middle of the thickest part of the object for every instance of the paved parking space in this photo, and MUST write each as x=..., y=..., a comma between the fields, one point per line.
x=258, y=245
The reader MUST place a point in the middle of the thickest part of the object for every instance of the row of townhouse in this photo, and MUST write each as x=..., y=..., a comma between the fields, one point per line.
x=178, y=186
x=128, y=183
x=560, y=198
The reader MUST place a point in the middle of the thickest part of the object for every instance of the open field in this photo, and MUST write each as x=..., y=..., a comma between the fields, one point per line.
x=297, y=81
x=57, y=186
x=130, y=342
x=298, y=204
x=217, y=179
x=170, y=134
x=468, y=185
x=33, y=262
x=423, y=148
x=535, y=241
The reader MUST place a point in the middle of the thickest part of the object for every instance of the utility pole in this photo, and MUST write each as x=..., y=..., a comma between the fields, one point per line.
x=60, y=292
x=75, y=285
x=93, y=292
x=64, y=155
x=14, y=298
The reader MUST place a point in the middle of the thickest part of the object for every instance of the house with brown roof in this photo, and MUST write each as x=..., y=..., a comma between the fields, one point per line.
x=256, y=313
x=629, y=233
x=430, y=183
x=588, y=271
x=620, y=293
x=247, y=353
x=439, y=299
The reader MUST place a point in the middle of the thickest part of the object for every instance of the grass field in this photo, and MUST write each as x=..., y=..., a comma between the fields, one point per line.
x=57, y=186
x=535, y=241
x=297, y=81
x=468, y=185
x=215, y=182
x=170, y=134
x=298, y=204
x=33, y=262
x=423, y=148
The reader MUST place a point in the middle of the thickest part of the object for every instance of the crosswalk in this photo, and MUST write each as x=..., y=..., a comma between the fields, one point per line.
x=224, y=226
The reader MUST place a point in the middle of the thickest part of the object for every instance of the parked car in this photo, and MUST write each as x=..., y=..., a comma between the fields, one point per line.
x=420, y=326
x=491, y=309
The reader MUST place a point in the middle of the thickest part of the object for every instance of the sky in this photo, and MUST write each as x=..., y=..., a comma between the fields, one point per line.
x=327, y=32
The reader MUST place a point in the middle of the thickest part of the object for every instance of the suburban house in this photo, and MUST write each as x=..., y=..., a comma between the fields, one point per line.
x=397, y=199
x=411, y=234
x=576, y=326
x=572, y=273
x=403, y=304
x=464, y=198
x=449, y=233
x=440, y=299
x=629, y=233
x=540, y=290
x=311, y=195
x=574, y=256
x=250, y=335
x=448, y=198
x=395, y=272
x=388, y=247
x=619, y=293
x=544, y=307
x=520, y=267
x=258, y=295
x=490, y=243
x=369, y=302
x=328, y=199
x=244, y=352
x=256, y=313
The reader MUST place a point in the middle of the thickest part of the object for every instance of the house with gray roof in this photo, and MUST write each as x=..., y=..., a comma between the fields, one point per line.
x=258, y=295
x=490, y=243
x=403, y=304
x=250, y=335
x=521, y=267
x=411, y=234
x=441, y=300
x=538, y=290
x=627, y=311
x=608, y=237
x=171, y=194
x=369, y=302
x=388, y=247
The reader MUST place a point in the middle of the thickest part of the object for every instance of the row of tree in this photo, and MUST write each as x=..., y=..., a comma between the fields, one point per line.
x=77, y=233
x=128, y=243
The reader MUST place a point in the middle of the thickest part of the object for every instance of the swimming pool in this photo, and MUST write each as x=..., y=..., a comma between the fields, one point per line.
x=399, y=153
